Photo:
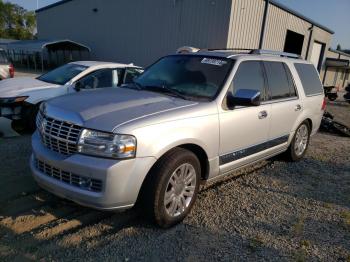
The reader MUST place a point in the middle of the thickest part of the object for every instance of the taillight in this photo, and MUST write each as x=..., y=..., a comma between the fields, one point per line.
x=12, y=71
x=324, y=104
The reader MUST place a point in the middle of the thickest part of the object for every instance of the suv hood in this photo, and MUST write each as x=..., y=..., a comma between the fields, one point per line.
x=19, y=85
x=109, y=108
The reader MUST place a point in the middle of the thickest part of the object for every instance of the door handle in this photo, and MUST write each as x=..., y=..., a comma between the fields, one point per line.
x=262, y=114
x=297, y=108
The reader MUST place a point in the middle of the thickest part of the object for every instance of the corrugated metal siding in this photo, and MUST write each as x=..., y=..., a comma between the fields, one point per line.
x=138, y=31
x=245, y=23
x=278, y=23
x=336, y=76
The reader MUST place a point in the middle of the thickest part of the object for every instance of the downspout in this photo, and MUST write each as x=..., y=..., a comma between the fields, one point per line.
x=311, y=29
x=324, y=76
x=263, y=26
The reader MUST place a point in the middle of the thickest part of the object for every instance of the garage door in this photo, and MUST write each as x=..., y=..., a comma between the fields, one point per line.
x=316, y=54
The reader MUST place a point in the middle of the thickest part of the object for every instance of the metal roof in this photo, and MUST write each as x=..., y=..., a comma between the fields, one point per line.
x=339, y=52
x=39, y=45
x=52, y=5
x=273, y=2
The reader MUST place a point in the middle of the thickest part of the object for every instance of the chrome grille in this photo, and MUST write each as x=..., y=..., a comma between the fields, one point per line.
x=85, y=183
x=57, y=135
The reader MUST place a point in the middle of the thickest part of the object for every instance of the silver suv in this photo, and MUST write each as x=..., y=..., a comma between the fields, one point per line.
x=188, y=119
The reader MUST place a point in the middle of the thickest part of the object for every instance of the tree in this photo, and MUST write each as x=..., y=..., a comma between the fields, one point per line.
x=339, y=47
x=16, y=22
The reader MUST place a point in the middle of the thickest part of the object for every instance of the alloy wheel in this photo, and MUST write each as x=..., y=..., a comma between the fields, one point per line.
x=180, y=190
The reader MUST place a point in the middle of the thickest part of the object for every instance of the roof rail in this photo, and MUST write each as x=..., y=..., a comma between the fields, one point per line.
x=277, y=53
x=227, y=49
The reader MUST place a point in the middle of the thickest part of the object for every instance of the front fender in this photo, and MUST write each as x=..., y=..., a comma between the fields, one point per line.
x=156, y=140
x=38, y=96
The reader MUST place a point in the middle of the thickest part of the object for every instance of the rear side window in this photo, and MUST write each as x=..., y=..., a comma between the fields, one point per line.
x=310, y=79
x=279, y=81
x=249, y=75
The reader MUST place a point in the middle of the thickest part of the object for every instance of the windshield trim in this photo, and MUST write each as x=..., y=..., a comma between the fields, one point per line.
x=58, y=83
x=220, y=87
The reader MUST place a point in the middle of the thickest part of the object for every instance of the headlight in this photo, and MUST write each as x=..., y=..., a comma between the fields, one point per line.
x=11, y=100
x=106, y=144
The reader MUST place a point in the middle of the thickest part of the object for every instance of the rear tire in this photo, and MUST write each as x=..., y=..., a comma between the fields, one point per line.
x=171, y=187
x=300, y=142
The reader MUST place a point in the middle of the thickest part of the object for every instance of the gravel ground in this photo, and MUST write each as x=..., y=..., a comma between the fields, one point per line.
x=274, y=211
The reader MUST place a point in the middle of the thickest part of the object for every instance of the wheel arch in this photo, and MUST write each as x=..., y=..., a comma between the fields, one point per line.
x=194, y=148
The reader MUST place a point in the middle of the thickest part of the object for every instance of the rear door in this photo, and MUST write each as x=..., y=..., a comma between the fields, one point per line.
x=285, y=104
x=244, y=130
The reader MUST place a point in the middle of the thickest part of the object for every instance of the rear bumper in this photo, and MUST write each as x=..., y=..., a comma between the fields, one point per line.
x=121, y=180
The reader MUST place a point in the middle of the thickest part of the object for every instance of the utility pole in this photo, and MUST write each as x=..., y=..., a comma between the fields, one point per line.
x=37, y=4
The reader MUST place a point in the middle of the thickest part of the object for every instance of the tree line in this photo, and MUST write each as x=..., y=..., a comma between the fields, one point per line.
x=16, y=22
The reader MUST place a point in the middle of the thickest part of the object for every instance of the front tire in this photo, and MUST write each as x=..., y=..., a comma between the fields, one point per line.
x=28, y=122
x=300, y=142
x=172, y=187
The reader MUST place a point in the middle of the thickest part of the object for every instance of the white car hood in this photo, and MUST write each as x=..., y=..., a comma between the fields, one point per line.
x=21, y=85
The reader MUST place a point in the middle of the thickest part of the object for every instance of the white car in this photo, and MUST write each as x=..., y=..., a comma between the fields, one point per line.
x=20, y=97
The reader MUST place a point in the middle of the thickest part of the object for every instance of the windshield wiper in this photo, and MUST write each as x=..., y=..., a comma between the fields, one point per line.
x=165, y=89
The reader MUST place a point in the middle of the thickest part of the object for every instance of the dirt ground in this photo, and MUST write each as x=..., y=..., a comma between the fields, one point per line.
x=274, y=211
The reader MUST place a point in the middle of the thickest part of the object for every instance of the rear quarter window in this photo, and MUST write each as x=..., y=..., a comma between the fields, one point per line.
x=309, y=79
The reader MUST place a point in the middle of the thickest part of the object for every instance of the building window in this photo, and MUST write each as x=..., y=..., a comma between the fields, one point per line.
x=294, y=42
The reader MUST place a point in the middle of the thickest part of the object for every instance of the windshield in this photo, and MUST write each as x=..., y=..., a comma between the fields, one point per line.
x=3, y=57
x=62, y=74
x=189, y=75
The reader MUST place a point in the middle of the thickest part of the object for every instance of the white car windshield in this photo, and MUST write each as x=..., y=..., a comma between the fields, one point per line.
x=62, y=74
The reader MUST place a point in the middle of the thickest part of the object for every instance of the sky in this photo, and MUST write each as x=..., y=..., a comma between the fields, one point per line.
x=333, y=14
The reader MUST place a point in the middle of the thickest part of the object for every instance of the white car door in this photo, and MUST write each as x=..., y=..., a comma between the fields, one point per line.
x=244, y=130
x=101, y=78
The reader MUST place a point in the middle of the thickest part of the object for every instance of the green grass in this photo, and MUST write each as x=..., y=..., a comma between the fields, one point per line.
x=298, y=227
x=345, y=215
x=255, y=243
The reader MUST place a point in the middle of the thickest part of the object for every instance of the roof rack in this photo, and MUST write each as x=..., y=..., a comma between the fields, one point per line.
x=227, y=49
x=257, y=52
x=277, y=53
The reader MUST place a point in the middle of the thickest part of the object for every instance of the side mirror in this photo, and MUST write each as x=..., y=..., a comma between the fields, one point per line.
x=77, y=86
x=244, y=97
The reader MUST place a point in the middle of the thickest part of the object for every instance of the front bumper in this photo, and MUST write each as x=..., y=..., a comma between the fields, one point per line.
x=11, y=111
x=121, y=180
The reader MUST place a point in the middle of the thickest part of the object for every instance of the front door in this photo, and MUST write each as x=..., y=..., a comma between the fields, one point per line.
x=244, y=130
x=101, y=78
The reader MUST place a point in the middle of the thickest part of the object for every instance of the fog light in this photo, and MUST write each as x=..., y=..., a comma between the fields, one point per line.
x=85, y=182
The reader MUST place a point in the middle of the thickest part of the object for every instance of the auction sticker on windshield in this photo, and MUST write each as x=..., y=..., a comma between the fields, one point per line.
x=213, y=61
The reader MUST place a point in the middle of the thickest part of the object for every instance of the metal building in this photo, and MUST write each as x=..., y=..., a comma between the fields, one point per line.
x=141, y=31
x=337, y=69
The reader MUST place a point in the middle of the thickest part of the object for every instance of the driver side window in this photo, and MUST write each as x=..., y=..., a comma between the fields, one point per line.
x=249, y=75
x=98, y=79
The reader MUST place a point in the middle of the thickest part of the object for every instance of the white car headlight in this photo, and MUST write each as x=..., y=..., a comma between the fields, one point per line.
x=104, y=144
